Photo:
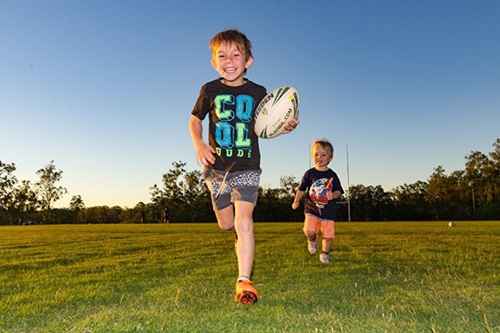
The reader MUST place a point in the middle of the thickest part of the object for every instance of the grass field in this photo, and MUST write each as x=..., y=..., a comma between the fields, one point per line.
x=386, y=277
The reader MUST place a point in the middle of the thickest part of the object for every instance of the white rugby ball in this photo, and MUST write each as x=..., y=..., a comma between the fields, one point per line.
x=275, y=110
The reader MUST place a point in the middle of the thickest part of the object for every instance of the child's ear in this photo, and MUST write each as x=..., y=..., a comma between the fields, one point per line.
x=214, y=64
x=249, y=62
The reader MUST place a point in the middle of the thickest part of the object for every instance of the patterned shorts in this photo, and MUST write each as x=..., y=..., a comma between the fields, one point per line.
x=228, y=187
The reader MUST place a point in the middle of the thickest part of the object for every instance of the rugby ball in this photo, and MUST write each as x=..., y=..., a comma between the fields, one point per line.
x=275, y=110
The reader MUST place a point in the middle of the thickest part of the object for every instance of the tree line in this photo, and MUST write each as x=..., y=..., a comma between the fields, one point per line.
x=472, y=193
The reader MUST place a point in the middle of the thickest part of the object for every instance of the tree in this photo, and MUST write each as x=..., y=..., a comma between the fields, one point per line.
x=462, y=202
x=289, y=185
x=410, y=203
x=77, y=208
x=76, y=203
x=185, y=195
x=495, y=159
x=483, y=175
x=196, y=194
x=442, y=195
x=369, y=203
x=7, y=181
x=495, y=155
x=102, y=214
x=46, y=186
x=24, y=198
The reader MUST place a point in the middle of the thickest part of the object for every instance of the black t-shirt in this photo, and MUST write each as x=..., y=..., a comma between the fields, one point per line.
x=231, y=123
x=316, y=183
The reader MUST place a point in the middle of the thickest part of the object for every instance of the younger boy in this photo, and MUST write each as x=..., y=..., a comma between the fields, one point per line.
x=320, y=208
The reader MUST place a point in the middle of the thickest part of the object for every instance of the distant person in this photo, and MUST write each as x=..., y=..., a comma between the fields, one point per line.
x=231, y=158
x=166, y=215
x=143, y=217
x=322, y=188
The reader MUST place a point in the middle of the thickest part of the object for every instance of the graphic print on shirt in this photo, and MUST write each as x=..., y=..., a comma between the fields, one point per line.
x=318, y=190
x=234, y=114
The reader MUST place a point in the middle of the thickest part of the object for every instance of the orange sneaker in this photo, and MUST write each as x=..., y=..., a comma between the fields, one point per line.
x=245, y=293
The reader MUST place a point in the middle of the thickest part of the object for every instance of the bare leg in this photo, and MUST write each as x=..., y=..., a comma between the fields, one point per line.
x=326, y=244
x=308, y=222
x=240, y=219
x=225, y=218
x=310, y=234
x=243, y=223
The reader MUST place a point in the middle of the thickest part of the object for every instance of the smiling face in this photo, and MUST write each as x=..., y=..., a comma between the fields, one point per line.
x=231, y=63
x=321, y=156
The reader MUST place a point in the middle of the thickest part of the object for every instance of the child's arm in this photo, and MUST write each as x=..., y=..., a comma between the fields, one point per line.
x=204, y=152
x=298, y=196
x=333, y=195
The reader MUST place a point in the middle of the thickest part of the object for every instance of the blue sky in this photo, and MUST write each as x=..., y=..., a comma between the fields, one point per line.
x=105, y=88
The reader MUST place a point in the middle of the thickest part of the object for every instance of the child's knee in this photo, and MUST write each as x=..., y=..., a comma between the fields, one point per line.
x=226, y=226
x=309, y=233
x=244, y=226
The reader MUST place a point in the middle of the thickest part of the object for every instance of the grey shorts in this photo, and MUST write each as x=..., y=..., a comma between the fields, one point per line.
x=226, y=188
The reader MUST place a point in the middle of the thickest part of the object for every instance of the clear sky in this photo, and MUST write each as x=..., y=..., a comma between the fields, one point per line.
x=105, y=88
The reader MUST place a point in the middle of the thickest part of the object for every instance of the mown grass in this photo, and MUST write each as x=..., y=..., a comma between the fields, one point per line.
x=386, y=277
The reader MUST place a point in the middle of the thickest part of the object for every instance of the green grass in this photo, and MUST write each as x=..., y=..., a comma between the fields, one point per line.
x=386, y=277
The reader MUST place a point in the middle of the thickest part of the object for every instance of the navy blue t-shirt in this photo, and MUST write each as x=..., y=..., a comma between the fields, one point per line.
x=316, y=183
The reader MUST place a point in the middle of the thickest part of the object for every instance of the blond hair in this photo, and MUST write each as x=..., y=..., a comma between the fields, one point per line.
x=325, y=144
